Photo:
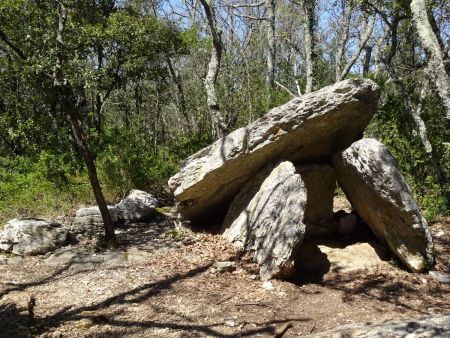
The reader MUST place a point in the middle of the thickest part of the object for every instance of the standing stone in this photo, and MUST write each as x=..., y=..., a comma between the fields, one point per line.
x=271, y=225
x=368, y=174
x=32, y=236
x=320, y=182
x=310, y=127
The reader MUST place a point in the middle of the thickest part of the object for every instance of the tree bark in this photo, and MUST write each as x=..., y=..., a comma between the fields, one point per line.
x=70, y=107
x=345, y=28
x=219, y=125
x=367, y=57
x=430, y=43
x=309, y=25
x=271, y=52
x=365, y=35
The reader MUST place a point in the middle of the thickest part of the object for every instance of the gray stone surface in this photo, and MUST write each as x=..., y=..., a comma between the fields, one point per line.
x=137, y=206
x=368, y=174
x=90, y=219
x=320, y=182
x=271, y=225
x=425, y=327
x=440, y=276
x=310, y=127
x=32, y=236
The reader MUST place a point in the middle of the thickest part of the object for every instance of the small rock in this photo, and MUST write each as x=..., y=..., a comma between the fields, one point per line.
x=137, y=206
x=440, y=276
x=267, y=285
x=231, y=322
x=439, y=234
x=222, y=267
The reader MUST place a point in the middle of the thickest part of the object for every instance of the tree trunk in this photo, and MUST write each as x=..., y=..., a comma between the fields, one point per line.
x=271, y=52
x=345, y=28
x=430, y=43
x=309, y=25
x=69, y=106
x=366, y=32
x=219, y=125
x=367, y=57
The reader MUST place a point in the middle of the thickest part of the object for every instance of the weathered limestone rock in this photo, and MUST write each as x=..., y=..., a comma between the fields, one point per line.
x=137, y=206
x=320, y=182
x=90, y=219
x=32, y=236
x=271, y=226
x=311, y=127
x=368, y=174
x=426, y=327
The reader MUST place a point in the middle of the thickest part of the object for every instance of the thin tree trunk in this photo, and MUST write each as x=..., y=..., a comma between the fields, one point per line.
x=219, y=125
x=436, y=66
x=309, y=25
x=271, y=52
x=181, y=98
x=345, y=28
x=367, y=57
x=365, y=35
x=69, y=106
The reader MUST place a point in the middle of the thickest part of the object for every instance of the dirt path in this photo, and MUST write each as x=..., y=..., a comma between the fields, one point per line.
x=160, y=284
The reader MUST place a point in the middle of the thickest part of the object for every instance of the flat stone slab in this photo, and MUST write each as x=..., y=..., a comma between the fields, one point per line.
x=267, y=220
x=307, y=128
x=367, y=172
x=425, y=327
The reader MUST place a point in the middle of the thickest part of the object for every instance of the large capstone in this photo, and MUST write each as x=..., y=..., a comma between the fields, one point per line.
x=308, y=128
x=368, y=174
x=266, y=219
x=32, y=236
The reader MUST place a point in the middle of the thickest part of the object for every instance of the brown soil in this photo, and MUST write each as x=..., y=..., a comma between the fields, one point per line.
x=163, y=286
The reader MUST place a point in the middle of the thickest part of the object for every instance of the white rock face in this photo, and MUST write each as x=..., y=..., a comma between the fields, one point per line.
x=137, y=206
x=311, y=127
x=32, y=236
x=90, y=219
x=271, y=225
x=368, y=174
x=426, y=327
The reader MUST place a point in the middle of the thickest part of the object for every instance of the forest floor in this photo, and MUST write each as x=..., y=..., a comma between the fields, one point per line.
x=162, y=283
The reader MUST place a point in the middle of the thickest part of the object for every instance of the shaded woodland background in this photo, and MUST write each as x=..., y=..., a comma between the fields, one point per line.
x=134, y=87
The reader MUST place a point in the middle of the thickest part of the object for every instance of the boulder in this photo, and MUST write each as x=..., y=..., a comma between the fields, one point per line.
x=32, y=236
x=90, y=219
x=137, y=206
x=311, y=127
x=368, y=174
x=437, y=325
x=270, y=225
x=347, y=223
x=320, y=182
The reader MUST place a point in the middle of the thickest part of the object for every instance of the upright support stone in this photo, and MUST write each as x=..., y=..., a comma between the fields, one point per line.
x=308, y=128
x=270, y=225
x=368, y=174
x=320, y=181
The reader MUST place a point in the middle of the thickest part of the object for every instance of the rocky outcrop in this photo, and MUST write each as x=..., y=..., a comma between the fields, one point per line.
x=137, y=206
x=270, y=225
x=320, y=182
x=311, y=127
x=425, y=327
x=90, y=219
x=32, y=236
x=368, y=174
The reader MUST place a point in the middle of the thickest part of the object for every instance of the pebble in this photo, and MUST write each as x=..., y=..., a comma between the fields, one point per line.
x=440, y=276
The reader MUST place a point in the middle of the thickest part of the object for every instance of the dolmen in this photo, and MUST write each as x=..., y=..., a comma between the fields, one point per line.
x=275, y=180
